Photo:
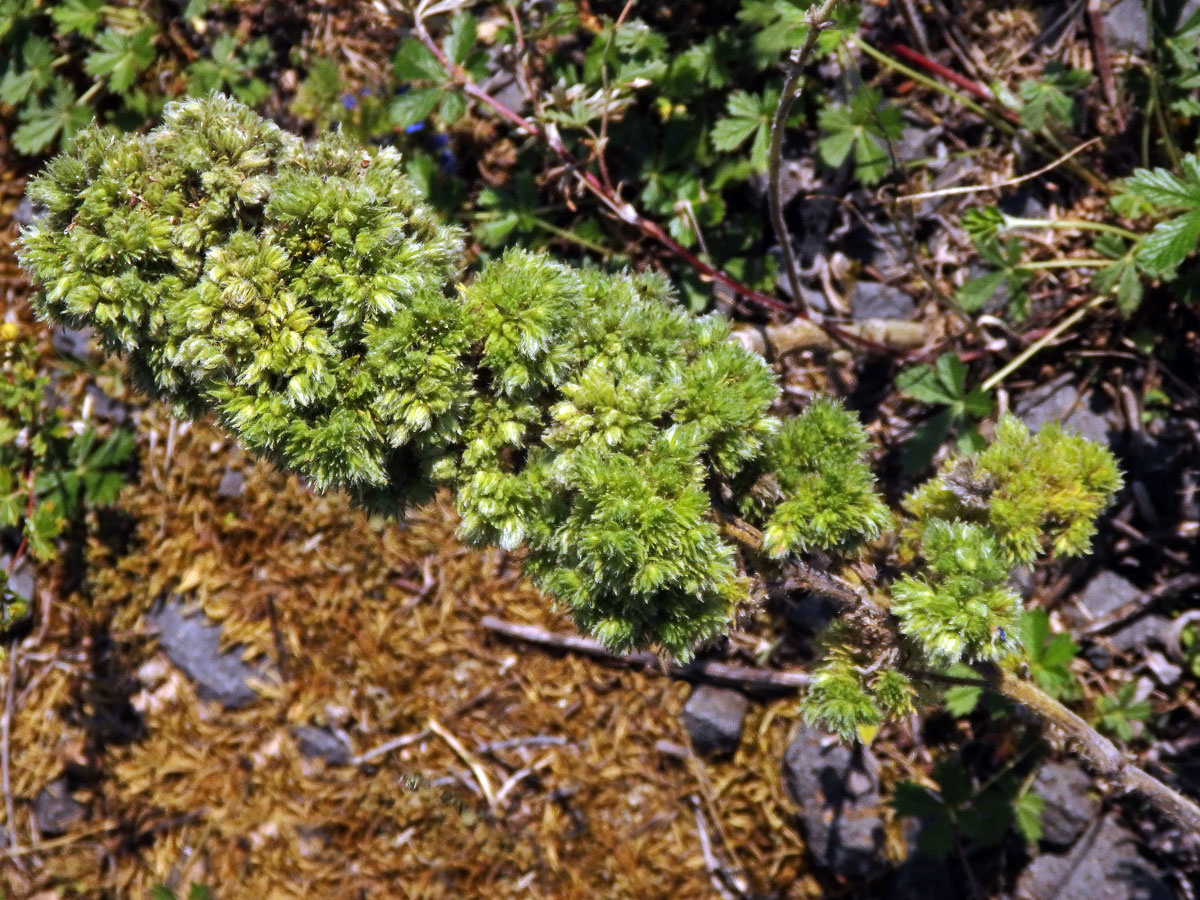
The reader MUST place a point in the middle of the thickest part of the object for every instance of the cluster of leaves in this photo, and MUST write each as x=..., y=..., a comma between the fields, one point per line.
x=50, y=472
x=690, y=109
x=1163, y=200
x=1022, y=497
x=66, y=62
x=306, y=296
x=954, y=809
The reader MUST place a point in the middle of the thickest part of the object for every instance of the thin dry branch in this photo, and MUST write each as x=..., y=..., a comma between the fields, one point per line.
x=718, y=673
x=793, y=87
x=1110, y=763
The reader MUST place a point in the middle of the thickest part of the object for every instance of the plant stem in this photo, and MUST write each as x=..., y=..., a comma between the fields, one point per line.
x=1109, y=762
x=997, y=120
x=1014, y=222
x=1025, y=355
x=624, y=210
x=793, y=87
x=1067, y=264
x=1100, y=753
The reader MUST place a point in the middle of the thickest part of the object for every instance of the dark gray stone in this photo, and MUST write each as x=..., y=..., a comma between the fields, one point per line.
x=1104, y=595
x=233, y=484
x=1148, y=631
x=193, y=644
x=56, y=810
x=72, y=341
x=21, y=581
x=106, y=409
x=1093, y=416
x=1069, y=804
x=1125, y=26
x=25, y=212
x=713, y=717
x=1103, y=866
x=875, y=300
x=837, y=790
x=322, y=743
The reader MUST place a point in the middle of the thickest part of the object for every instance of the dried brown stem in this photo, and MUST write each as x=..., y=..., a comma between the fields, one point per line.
x=793, y=87
x=1101, y=754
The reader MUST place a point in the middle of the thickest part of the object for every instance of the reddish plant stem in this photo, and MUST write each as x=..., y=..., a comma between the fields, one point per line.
x=960, y=81
x=625, y=211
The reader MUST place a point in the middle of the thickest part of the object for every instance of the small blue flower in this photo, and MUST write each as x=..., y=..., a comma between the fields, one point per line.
x=414, y=127
x=349, y=101
x=439, y=141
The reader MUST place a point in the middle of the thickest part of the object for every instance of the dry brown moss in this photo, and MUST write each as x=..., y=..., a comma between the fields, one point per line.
x=375, y=629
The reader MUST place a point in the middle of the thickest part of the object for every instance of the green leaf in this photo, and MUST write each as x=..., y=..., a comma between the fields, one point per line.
x=414, y=106
x=453, y=107
x=943, y=382
x=961, y=699
x=41, y=125
x=1169, y=244
x=747, y=116
x=414, y=61
x=1027, y=815
x=1047, y=100
x=977, y=291
x=864, y=127
x=461, y=39
x=80, y=16
x=121, y=57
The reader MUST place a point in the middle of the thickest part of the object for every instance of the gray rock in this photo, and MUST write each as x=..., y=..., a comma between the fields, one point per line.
x=713, y=717
x=837, y=790
x=1069, y=804
x=1104, y=594
x=1093, y=416
x=1126, y=23
x=25, y=212
x=875, y=300
x=233, y=484
x=322, y=743
x=1125, y=26
x=21, y=581
x=1147, y=631
x=72, y=341
x=106, y=409
x=56, y=810
x=193, y=644
x=1103, y=866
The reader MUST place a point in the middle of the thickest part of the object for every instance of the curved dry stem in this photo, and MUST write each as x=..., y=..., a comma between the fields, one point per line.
x=1108, y=761
x=792, y=89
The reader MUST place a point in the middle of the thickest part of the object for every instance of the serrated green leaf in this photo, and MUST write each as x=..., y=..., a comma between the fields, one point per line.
x=414, y=61
x=453, y=107
x=80, y=16
x=461, y=39
x=121, y=57
x=42, y=124
x=975, y=292
x=414, y=106
x=1027, y=816
x=1169, y=244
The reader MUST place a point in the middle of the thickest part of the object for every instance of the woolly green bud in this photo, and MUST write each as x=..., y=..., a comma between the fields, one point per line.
x=963, y=608
x=838, y=699
x=819, y=484
x=1037, y=493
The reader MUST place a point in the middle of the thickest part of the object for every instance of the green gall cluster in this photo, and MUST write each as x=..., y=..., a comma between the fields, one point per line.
x=305, y=296
x=961, y=606
x=1037, y=493
x=818, y=492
